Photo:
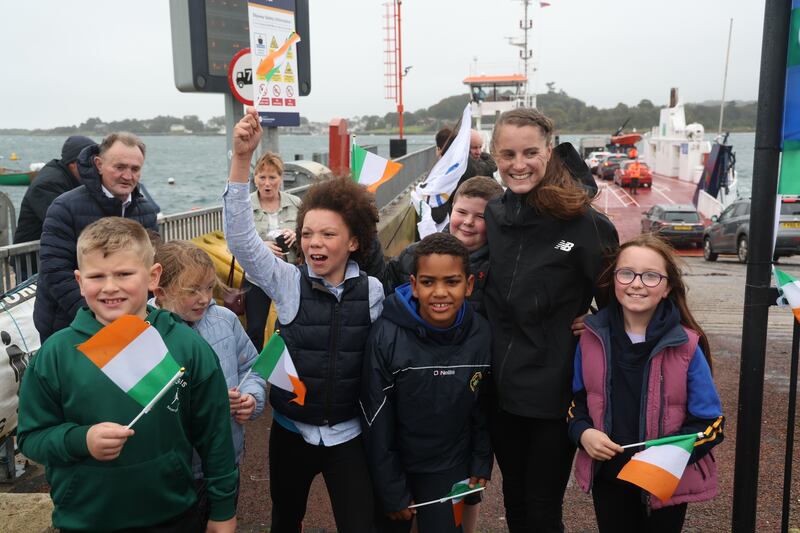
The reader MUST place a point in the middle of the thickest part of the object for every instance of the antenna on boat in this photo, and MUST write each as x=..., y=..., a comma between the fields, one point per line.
x=725, y=78
x=525, y=53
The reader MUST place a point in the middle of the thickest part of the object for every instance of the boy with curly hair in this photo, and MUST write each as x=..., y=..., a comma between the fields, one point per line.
x=325, y=308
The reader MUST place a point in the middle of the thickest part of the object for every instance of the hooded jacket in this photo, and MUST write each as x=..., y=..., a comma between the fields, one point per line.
x=542, y=276
x=677, y=397
x=50, y=183
x=421, y=397
x=63, y=394
x=58, y=296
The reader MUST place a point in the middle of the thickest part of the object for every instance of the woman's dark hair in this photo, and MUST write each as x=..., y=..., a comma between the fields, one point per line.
x=353, y=203
x=442, y=244
x=677, y=293
x=558, y=194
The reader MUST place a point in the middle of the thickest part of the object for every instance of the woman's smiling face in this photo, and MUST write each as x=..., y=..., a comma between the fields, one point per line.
x=521, y=153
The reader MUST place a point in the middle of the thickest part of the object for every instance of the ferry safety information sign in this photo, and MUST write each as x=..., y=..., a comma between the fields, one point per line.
x=273, y=47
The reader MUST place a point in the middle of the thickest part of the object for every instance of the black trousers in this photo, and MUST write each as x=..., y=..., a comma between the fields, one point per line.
x=256, y=311
x=293, y=465
x=620, y=508
x=189, y=521
x=435, y=518
x=535, y=457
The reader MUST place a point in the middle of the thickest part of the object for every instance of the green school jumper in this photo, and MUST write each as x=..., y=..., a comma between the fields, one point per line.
x=63, y=393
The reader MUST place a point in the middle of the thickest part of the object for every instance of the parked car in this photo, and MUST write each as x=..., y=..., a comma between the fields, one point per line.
x=594, y=159
x=679, y=224
x=730, y=232
x=605, y=170
x=623, y=178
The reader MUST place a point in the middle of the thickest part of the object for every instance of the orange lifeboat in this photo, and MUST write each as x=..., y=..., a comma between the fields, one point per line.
x=628, y=139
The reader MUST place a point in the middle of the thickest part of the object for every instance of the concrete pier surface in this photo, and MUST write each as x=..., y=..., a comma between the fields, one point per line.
x=716, y=295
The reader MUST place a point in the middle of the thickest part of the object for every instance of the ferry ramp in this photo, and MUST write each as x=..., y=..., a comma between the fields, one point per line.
x=625, y=208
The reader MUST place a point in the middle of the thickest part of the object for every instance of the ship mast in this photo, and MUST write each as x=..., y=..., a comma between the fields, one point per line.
x=725, y=79
x=526, y=55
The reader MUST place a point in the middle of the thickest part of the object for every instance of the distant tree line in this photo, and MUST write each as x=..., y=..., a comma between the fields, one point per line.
x=159, y=125
x=572, y=115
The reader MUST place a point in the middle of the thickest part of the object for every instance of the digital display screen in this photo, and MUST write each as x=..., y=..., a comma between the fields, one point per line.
x=228, y=32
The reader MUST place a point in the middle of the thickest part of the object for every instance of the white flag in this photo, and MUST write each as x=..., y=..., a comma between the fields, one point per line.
x=443, y=177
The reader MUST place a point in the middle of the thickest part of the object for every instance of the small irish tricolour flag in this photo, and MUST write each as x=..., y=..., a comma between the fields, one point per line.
x=372, y=170
x=456, y=497
x=132, y=354
x=790, y=290
x=275, y=365
x=456, y=493
x=658, y=469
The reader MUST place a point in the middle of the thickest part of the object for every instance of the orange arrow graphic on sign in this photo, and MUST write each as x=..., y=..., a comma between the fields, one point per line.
x=270, y=64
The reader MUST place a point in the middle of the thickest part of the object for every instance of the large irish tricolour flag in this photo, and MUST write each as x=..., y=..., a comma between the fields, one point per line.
x=133, y=355
x=658, y=469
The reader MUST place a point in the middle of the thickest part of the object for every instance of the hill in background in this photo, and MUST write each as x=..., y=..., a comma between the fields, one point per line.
x=571, y=115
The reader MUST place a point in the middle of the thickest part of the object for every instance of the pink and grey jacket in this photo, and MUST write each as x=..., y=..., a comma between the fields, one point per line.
x=678, y=385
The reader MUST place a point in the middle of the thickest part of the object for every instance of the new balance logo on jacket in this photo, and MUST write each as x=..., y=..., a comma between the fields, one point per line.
x=564, y=246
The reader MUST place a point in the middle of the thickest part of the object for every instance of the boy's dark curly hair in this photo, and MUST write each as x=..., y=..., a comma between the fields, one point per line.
x=354, y=204
x=442, y=244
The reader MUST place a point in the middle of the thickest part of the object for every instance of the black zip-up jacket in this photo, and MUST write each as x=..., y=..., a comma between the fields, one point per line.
x=422, y=397
x=58, y=296
x=51, y=182
x=542, y=275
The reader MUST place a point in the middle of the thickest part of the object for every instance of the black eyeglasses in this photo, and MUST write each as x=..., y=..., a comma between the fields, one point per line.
x=626, y=276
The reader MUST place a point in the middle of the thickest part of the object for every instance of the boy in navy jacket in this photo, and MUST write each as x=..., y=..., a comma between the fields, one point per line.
x=425, y=365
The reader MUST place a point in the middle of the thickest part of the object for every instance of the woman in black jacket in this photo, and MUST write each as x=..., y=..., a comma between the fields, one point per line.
x=547, y=248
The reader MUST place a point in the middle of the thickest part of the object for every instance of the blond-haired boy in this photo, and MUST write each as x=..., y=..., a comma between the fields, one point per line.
x=72, y=417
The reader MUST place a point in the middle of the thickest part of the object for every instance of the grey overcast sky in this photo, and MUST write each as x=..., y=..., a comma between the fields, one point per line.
x=65, y=61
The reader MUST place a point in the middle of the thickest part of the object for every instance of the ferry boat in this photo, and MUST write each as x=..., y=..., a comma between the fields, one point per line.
x=686, y=169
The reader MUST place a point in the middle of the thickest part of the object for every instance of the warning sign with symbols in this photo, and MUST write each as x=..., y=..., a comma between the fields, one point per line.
x=274, y=66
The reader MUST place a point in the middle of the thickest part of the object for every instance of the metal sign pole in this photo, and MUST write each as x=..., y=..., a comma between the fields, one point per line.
x=758, y=296
x=234, y=111
x=270, y=140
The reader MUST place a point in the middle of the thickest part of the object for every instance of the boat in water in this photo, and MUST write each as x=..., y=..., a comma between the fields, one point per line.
x=10, y=176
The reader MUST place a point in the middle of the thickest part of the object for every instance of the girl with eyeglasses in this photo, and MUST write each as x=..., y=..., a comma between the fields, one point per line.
x=643, y=371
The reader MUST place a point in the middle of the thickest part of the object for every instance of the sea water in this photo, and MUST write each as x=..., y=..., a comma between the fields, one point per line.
x=199, y=167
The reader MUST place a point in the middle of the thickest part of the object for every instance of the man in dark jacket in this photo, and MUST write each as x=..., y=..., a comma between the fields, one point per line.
x=57, y=177
x=110, y=176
